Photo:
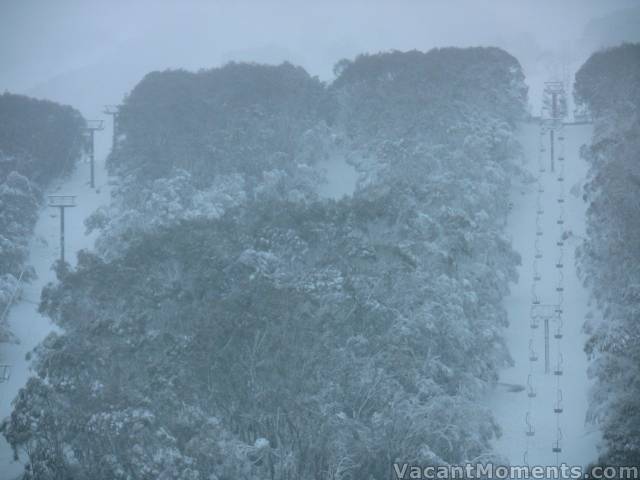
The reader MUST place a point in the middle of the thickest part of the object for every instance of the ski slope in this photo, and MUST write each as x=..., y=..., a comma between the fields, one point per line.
x=535, y=215
x=24, y=320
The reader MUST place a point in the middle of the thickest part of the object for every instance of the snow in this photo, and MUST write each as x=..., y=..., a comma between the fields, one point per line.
x=342, y=177
x=510, y=407
x=25, y=322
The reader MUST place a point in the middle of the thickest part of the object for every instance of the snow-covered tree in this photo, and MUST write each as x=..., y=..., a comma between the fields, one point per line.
x=39, y=140
x=609, y=85
x=233, y=325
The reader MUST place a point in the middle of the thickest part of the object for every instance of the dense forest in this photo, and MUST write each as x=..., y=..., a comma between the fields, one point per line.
x=39, y=141
x=276, y=334
x=609, y=84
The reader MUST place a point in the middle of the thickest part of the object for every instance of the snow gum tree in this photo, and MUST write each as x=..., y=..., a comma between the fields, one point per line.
x=247, y=328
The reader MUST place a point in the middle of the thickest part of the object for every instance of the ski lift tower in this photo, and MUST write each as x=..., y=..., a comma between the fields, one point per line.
x=92, y=127
x=61, y=202
x=555, y=104
x=114, y=111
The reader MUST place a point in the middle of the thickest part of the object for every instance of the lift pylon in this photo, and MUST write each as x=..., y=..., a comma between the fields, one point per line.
x=61, y=202
x=114, y=111
x=92, y=127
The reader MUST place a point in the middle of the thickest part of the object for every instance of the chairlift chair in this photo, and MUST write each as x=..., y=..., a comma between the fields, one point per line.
x=5, y=373
x=558, y=333
x=531, y=431
x=533, y=356
x=556, y=448
x=531, y=393
x=558, y=369
x=557, y=408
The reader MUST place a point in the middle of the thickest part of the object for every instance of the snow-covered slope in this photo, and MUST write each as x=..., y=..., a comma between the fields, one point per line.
x=25, y=322
x=578, y=441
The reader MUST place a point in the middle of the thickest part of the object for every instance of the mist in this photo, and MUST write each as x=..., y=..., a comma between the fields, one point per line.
x=92, y=53
x=277, y=240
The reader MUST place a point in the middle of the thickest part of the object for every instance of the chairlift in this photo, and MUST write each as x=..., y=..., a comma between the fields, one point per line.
x=535, y=301
x=538, y=255
x=531, y=431
x=561, y=158
x=5, y=373
x=559, y=289
x=558, y=369
x=533, y=356
x=557, y=408
x=558, y=332
x=536, y=272
x=561, y=200
x=556, y=448
x=561, y=179
x=531, y=393
x=560, y=222
x=560, y=243
x=559, y=265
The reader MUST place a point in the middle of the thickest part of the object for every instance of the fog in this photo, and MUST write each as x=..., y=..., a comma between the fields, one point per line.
x=293, y=240
x=91, y=53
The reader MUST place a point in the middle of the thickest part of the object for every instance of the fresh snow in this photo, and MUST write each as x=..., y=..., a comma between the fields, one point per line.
x=510, y=407
x=29, y=327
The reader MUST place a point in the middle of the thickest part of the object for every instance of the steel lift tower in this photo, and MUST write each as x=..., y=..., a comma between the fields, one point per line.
x=92, y=127
x=554, y=111
x=114, y=111
x=61, y=202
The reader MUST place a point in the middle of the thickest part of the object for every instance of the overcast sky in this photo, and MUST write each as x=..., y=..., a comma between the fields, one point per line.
x=88, y=52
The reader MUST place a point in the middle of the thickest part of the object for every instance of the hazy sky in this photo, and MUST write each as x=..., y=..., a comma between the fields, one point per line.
x=88, y=52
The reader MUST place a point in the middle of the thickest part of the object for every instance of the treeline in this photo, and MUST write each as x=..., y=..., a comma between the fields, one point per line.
x=39, y=140
x=609, y=259
x=244, y=328
x=240, y=118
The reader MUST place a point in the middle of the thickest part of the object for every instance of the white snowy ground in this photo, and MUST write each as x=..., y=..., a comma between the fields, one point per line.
x=578, y=439
x=25, y=322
